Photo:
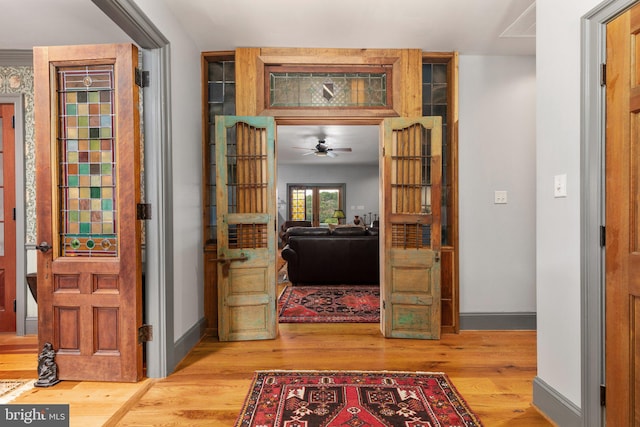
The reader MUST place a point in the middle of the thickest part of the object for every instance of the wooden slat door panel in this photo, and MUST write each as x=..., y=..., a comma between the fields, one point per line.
x=622, y=278
x=246, y=215
x=411, y=235
x=88, y=186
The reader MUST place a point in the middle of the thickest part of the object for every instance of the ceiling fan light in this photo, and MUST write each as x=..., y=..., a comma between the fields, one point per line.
x=320, y=153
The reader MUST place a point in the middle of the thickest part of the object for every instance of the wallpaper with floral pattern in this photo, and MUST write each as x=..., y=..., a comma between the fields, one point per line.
x=15, y=80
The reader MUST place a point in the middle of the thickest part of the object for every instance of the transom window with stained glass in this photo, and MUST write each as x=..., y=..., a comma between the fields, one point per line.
x=346, y=87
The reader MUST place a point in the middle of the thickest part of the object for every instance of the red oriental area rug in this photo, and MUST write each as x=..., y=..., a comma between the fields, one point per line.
x=329, y=304
x=338, y=398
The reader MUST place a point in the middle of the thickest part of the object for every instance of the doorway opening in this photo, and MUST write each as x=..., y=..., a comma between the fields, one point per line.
x=434, y=75
x=328, y=191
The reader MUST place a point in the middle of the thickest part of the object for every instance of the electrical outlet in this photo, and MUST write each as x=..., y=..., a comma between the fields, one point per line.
x=500, y=197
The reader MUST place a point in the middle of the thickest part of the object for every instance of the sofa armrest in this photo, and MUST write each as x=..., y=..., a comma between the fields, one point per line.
x=289, y=255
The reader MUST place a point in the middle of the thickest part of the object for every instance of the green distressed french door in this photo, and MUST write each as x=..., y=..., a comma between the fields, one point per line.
x=246, y=215
x=410, y=232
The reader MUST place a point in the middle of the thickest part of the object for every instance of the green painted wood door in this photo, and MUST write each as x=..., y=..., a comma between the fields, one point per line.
x=246, y=215
x=410, y=234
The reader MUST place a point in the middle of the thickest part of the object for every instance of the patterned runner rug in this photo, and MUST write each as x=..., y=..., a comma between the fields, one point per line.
x=10, y=389
x=329, y=304
x=338, y=398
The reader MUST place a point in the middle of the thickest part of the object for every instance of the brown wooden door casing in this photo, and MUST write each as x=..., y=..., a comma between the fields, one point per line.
x=7, y=222
x=622, y=260
x=90, y=307
x=249, y=79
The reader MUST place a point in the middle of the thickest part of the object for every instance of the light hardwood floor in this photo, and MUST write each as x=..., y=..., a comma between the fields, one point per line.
x=493, y=370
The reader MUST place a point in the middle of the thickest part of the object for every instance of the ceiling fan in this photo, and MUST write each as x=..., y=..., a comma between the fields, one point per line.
x=323, y=150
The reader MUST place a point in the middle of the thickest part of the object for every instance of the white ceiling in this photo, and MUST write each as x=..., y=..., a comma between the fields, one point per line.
x=467, y=26
x=471, y=27
x=296, y=142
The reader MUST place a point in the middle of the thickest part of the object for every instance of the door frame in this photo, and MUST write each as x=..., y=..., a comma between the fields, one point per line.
x=163, y=354
x=592, y=205
x=21, y=259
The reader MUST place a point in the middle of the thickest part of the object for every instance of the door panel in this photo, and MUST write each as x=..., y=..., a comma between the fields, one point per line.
x=88, y=186
x=410, y=237
x=622, y=279
x=7, y=221
x=246, y=203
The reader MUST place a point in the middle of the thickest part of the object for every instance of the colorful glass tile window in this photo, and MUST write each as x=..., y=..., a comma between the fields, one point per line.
x=86, y=144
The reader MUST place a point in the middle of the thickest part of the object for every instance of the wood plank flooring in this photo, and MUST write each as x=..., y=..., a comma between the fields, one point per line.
x=493, y=370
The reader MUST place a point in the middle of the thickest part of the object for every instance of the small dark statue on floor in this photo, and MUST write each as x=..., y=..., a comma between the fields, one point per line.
x=47, y=367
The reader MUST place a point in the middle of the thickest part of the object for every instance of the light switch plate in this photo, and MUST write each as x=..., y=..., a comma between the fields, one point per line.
x=560, y=185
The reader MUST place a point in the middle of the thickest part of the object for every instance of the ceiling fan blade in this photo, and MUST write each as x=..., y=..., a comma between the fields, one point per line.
x=346, y=150
x=303, y=148
x=330, y=154
x=309, y=153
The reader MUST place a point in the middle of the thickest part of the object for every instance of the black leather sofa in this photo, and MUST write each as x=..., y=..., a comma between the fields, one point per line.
x=320, y=256
x=287, y=225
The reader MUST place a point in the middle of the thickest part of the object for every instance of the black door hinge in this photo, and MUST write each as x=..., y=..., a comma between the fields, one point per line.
x=13, y=122
x=145, y=333
x=14, y=214
x=603, y=74
x=15, y=306
x=603, y=236
x=603, y=395
x=142, y=78
x=143, y=211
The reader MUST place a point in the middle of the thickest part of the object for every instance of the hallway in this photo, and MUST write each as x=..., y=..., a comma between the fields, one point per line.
x=493, y=370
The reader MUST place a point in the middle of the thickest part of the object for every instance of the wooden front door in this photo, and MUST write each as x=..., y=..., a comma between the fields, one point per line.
x=88, y=185
x=246, y=221
x=622, y=279
x=7, y=220
x=411, y=235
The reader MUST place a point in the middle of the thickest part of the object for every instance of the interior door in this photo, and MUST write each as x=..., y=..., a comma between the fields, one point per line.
x=88, y=186
x=246, y=220
x=7, y=220
x=410, y=238
x=622, y=263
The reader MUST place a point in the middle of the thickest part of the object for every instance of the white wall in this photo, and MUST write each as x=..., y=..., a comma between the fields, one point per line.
x=497, y=152
x=361, y=185
x=187, y=168
x=558, y=219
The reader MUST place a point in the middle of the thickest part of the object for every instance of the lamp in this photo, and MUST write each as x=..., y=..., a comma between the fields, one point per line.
x=338, y=214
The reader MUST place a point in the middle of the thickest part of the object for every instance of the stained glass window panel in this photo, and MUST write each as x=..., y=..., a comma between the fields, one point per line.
x=328, y=89
x=86, y=144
